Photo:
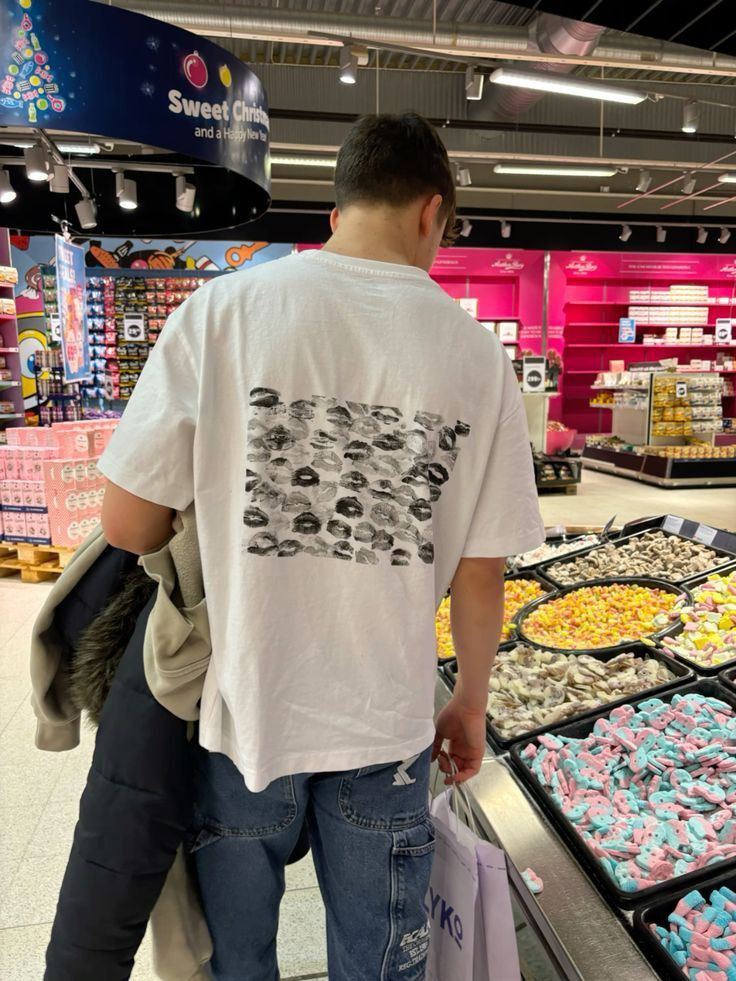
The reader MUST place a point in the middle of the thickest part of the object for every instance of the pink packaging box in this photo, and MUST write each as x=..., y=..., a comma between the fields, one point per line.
x=30, y=461
x=73, y=444
x=10, y=462
x=6, y=494
x=17, y=493
x=34, y=495
x=38, y=529
x=71, y=533
x=15, y=526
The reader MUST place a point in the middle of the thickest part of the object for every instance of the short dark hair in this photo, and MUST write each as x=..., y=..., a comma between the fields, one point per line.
x=394, y=160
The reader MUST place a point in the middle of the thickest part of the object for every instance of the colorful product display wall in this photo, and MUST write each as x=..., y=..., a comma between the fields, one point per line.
x=589, y=294
x=145, y=256
x=670, y=306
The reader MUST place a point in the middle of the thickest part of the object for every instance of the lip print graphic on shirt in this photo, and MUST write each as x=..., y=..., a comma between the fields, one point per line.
x=344, y=480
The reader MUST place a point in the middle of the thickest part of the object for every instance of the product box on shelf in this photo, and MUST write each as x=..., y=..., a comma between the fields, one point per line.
x=51, y=489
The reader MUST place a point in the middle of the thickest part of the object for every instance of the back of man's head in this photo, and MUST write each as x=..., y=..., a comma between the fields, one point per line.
x=393, y=161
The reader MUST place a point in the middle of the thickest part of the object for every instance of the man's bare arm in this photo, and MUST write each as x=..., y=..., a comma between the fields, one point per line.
x=132, y=524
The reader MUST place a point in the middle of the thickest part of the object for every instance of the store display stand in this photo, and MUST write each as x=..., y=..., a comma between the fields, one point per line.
x=639, y=425
x=11, y=390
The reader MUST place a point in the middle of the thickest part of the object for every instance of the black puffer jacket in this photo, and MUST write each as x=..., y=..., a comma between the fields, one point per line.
x=136, y=808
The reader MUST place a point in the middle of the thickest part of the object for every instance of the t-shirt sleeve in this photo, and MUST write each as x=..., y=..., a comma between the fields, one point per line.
x=506, y=520
x=151, y=452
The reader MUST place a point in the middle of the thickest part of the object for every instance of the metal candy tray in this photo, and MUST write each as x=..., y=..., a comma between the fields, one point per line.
x=579, y=730
x=681, y=675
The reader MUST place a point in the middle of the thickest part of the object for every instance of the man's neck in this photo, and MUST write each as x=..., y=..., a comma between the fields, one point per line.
x=358, y=248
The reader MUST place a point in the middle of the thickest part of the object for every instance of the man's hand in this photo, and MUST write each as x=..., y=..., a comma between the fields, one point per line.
x=465, y=730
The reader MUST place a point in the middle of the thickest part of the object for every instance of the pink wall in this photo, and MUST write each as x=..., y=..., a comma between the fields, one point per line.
x=507, y=283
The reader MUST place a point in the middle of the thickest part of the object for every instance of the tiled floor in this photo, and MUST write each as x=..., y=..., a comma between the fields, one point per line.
x=39, y=791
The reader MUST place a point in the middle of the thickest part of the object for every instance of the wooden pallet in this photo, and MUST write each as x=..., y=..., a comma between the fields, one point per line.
x=35, y=563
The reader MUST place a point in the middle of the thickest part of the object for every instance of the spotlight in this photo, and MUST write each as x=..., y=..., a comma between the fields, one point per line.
x=473, y=84
x=689, y=186
x=661, y=234
x=185, y=194
x=645, y=181
x=722, y=238
x=7, y=192
x=505, y=229
x=702, y=235
x=625, y=233
x=59, y=182
x=128, y=197
x=466, y=228
x=86, y=212
x=36, y=163
x=690, y=117
x=348, y=65
x=463, y=177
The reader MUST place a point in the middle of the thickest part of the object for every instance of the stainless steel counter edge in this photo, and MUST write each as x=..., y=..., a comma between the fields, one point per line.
x=581, y=931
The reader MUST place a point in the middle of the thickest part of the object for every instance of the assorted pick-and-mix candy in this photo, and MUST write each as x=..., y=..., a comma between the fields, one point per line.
x=552, y=551
x=517, y=593
x=532, y=688
x=709, y=636
x=701, y=936
x=653, y=554
x=651, y=791
x=594, y=617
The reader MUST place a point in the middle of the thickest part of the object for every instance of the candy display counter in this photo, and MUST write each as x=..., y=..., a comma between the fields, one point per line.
x=613, y=778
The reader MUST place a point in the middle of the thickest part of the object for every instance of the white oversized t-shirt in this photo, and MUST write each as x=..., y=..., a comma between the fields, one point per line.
x=347, y=434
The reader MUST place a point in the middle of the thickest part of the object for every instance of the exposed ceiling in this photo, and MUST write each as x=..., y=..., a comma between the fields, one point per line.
x=706, y=26
x=414, y=56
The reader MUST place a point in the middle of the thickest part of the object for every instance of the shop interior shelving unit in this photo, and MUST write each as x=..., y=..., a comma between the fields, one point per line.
x=10, y=390
x=592, y=311
x=637, y=420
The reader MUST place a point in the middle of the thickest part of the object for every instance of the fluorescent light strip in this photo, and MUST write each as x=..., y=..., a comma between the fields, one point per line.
x=565, y=85
x=540, y=170
x=727, y=179
x=303, y=161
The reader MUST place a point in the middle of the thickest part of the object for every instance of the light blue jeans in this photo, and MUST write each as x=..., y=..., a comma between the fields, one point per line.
x=372, y=842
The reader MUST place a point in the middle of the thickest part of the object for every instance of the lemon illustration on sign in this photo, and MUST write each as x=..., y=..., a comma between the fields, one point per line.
x=226, y=76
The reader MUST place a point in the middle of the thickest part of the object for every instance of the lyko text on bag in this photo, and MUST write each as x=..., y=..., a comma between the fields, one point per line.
x=442, y=914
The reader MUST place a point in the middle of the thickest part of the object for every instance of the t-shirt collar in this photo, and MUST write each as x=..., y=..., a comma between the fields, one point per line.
x=372, y=267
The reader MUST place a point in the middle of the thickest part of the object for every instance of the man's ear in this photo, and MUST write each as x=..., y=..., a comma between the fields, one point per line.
x=429, y=218
x=334, y=219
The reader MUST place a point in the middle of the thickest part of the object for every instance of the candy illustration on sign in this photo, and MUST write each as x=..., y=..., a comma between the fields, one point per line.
x=195, y=70
x=29, y=80
x=226, y=76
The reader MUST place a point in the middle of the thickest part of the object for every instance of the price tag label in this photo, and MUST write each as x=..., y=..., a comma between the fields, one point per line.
x=533, y=375
x=681, y=390
x=705, y=534
x=134, y=327
x=627, y=330
x=55, y=328
x=723, y=330
x=672, y=524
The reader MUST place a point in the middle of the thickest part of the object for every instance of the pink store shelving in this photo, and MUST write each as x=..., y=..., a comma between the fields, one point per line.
x=590, y=292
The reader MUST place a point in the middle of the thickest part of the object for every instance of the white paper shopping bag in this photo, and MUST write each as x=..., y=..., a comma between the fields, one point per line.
x=472, y=935
x=452, y=899
x=497, y=956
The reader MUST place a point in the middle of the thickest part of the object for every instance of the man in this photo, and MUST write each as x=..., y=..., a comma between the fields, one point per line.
x=354, y=443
